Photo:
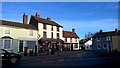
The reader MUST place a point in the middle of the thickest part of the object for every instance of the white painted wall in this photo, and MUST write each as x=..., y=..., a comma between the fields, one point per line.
x=18, y=34
x=88, y=45
x=73, y=41
x=49, y=31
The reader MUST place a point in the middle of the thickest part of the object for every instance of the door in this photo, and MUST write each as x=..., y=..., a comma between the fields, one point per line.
x=20, y=46
x=71, y=47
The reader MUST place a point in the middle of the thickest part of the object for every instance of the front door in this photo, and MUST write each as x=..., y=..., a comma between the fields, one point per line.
x=20, y=46
x=71, y=47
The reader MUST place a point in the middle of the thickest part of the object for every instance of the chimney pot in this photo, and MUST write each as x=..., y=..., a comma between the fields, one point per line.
x=100, y=31
x=73, y=30
x=48, y=18
x=116, y=30
x=25, y=19
x=37, y=14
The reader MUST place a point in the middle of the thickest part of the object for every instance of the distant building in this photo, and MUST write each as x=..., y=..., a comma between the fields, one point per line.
x=49, y=32
x=106, y=41
x=16, y=36
x=86, y=44
x=71, y=40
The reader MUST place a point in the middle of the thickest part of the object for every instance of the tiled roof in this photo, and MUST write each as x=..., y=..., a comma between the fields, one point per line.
x=110, y=33
x=45, y=21
x=16, y=24
x=68, y=34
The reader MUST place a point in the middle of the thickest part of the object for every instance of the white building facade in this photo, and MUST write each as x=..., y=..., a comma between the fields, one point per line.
x=71, y=40
x=16, y=36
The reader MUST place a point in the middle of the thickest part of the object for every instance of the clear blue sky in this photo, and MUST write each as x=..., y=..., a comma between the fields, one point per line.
x=83, y=16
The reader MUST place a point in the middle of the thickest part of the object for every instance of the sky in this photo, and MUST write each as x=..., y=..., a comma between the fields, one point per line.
x=83, y=16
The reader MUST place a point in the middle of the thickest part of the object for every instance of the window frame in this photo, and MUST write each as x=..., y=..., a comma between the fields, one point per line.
x=108, y=38
x=51, y=34
x=98, y=47
x=44, y=36
x=45, y=26
x=52, y=28
x=31, y=33
x=7, y=30
x=58, y=29
x=58, y=35
x=98, y=38
x=65, y=39
x=106, y=46
x=70, y=39
x=10, y=43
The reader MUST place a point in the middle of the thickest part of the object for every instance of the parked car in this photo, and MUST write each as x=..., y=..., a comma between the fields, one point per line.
x=8, y=56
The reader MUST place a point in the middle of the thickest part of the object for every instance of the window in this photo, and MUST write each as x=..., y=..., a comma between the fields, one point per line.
x=75, y=39
x=76, y=46
x=98, y=46
x=104, y=46
x=7, y=30
x=52, y=28
x=57, y=28
x=58, y=35
x=7, y=43
x=108, y=38
x=98, y=38
x=44, y=34
x=44, y=26
x=31, y=32
x=65, y=39
x=51, y=34
x=70, y=39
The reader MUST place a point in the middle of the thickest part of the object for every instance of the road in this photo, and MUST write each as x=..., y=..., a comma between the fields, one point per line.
x=82, y=59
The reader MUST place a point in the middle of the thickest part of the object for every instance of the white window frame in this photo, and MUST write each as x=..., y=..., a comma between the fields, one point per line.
x=31, y=33
x=105, y=47
x=108, y=38
x=98, y=39
x=97, y=46
x=10, y=43
x=7, y=31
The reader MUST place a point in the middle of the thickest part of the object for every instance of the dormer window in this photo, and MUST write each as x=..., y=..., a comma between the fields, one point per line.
x=44, y=26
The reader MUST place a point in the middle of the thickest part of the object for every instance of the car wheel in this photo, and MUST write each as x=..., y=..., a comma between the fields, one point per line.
x=13, y=60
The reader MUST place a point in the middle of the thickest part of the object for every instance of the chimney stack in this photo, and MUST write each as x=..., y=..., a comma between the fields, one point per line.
x=25, y=19
x=116, y=30
x=37, y=15
x=48, y=18
x=73, y=30
x=100, y=31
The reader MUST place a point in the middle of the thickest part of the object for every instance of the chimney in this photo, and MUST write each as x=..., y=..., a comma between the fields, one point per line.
x=116, y=30
x=37, y=14
x=100, y=31
x=48, y=18
x=25, y=19
x=73, y=30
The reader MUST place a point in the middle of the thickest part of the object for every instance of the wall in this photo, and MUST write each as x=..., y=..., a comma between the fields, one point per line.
x=48, y=30
x=115, y=40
